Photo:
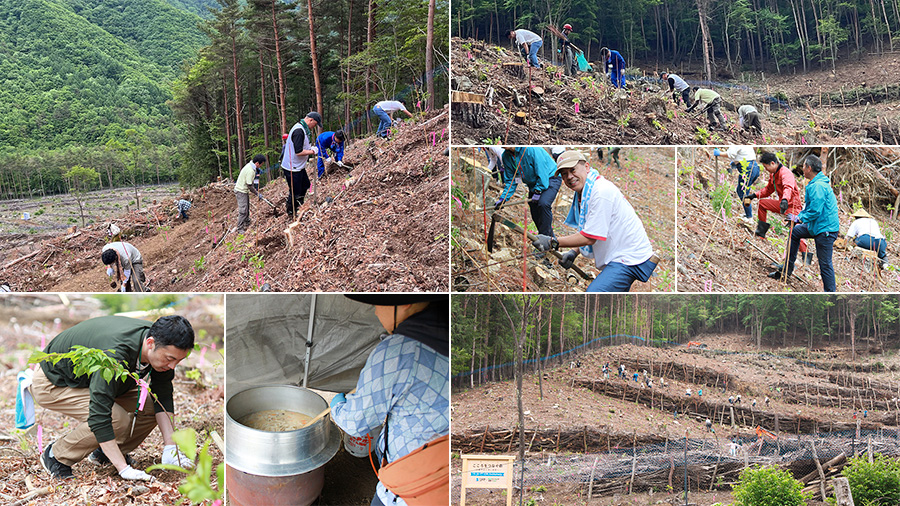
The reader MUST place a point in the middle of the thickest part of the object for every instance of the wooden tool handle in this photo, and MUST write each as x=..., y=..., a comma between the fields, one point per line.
x=325, y=411
x=553, y=252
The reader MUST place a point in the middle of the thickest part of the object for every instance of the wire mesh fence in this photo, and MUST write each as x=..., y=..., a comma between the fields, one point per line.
x=696, y=465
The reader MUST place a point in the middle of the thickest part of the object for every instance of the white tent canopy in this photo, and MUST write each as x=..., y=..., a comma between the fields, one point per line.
x=267, y=340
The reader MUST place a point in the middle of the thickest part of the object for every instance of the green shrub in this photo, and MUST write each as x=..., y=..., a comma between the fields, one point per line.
x=875, y=484
x=768, y=486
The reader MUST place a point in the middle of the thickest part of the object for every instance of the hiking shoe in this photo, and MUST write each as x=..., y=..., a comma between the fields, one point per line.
x=56, y=468
x=100, y=458
x=777, y=275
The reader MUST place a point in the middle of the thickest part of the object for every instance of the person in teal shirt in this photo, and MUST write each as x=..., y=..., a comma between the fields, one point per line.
x=535, y=167
x=818, y=220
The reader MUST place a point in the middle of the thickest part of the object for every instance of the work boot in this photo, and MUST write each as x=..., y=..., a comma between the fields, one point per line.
x=761, y=229
x=100, y=458
x=807, y=257
x=56, y=468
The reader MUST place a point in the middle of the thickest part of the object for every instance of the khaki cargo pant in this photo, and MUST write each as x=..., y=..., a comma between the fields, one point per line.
x=74, y=402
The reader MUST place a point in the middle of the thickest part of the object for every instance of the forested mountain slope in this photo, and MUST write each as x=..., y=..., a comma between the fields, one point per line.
x=77, y=73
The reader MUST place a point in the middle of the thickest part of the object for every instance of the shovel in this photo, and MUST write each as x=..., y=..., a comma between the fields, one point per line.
x=267, y=201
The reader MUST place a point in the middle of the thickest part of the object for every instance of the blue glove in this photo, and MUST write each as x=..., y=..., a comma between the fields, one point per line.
x=716, y=152
x=499, y=204
x=338, y=399
x=535, y=198
x=792, y=217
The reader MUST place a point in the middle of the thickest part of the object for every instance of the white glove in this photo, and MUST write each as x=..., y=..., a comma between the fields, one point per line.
x=122, y=289
x=130, y=473
x=328, y=160
x=314, y=149
x=109, y=271
x=340, y=163
x=172, y=455
x=127, y=273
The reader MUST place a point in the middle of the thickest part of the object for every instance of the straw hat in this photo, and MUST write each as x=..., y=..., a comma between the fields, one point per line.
x=861, y=213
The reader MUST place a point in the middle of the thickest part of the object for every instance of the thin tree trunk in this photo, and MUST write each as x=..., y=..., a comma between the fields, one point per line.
x=320, y=107
x=281, y=95
x=429, y=58
x=227, y=124
x=370, y=37
x=238, y=121
x=262, y=93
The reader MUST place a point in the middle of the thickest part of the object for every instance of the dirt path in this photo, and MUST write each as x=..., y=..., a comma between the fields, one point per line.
x=645, y=178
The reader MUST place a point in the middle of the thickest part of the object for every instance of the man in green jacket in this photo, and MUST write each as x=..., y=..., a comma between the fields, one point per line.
x=711, y=103
x=819, y=220
x=107, y=412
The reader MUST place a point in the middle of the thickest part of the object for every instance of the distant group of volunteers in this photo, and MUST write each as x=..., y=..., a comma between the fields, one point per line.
x=125, y=264
x=812, y=216
x=709, y=102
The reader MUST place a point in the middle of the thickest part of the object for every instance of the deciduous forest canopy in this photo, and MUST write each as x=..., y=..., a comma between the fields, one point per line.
x=482, y=336
x=754, y=35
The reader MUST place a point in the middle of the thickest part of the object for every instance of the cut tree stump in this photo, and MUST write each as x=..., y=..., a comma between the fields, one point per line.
x=289, y=233
x=516, y=69
x=468, y=107
x=521, y=117
x=842, y=492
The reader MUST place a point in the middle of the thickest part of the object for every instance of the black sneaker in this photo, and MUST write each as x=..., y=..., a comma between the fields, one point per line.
x=56, y=468
x=100, y=458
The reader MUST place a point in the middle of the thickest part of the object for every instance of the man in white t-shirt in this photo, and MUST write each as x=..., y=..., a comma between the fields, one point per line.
x=749, y=119
x=609, y=231
x=529, y=42
x=495, y=162
x=868, y=234
x=385, y=112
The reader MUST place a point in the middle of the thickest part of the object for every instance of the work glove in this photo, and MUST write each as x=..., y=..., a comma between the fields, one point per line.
x=340, y=163
x=545, y=242
x=109, y=271
x=338, y=399
x=716, y=152
x=123, y=288
x=315, y=150
x=535, y=198
x=751, y=195
x=791, y=218
x=130, y=473
x=329, y=160
x=568, y=259
x=499, y=204
x=784, y=205
x=173, y=456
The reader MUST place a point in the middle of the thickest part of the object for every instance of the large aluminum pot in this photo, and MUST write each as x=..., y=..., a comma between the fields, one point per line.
x=276, y=454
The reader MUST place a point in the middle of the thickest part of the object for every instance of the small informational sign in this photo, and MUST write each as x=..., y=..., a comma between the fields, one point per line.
x=487, y=471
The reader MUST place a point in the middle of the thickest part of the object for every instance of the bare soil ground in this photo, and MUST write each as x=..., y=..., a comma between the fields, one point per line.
x=645, y=178
x=718, y=256
x=24, y=320
x=612, y=414
x=381, y=226
x=858, y=104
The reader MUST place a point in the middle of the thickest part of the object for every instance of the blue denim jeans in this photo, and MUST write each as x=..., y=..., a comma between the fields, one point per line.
x=879, y=245
x=824, y=250
x=542, y=212
x=618, y=277
x=385, y=121
x=746, y=178
x=618, y=78
x=532, y=53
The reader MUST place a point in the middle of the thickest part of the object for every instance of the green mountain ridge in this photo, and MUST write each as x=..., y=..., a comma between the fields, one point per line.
x=74, y=72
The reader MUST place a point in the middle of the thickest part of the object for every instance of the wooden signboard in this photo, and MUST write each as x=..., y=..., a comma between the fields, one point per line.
x=487, y=471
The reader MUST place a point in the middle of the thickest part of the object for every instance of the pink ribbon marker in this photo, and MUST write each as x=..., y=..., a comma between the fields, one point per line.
x=723, y=216
x=576, y=107
x=707, y=285
x=692, y=180
x=43, y=341
x=444, y=131
x=419, y=104
x=802, y=139
x=458, y=202
x=469, y=54
x=258, y=284
x=217, y=502
x=202, y=361
x=213, y=346
x=143, y=396
x=433, y=139
x=841, y=196
x=207, y=229
x=40, y=432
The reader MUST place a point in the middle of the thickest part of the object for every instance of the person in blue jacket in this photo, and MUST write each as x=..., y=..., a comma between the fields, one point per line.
x=615, y=66
x=818, y=220
x=535, y=167
x=332, y=142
